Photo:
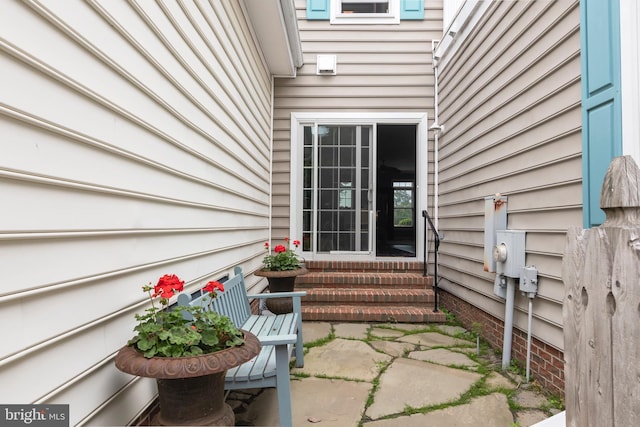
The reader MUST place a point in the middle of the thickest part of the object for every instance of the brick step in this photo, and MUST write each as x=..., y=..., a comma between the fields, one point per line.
x=371, y=313
x=365, y=266
x=342, y=279
x=369, y=296
x=368, y=291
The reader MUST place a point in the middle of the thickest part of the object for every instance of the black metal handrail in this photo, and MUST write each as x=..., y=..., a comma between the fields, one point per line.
x=436, y=237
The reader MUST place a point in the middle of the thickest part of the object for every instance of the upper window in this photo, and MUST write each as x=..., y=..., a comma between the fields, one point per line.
x=350, y=6
x=365, y=12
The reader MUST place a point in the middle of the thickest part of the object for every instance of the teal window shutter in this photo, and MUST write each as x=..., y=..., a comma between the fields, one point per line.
x=318, y=10
x=601, y=104
x=412, y=9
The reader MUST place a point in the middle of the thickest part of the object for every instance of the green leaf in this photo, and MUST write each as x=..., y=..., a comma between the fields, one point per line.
x=150, y=353
x=210, y=338
x=181, y=335
x=195, y=351
x=165, y=349
x=235, y=341
x=146, y=343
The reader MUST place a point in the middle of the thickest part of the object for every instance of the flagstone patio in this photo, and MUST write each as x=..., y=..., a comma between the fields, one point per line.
x=359, y=374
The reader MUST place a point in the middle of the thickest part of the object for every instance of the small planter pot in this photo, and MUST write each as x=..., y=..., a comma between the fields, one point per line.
x=281, y=281
x=190, y=389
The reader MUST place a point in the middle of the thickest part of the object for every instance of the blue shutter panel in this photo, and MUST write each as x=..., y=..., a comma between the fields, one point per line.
x=318, y=9
x=412, y=9
x=601, y=105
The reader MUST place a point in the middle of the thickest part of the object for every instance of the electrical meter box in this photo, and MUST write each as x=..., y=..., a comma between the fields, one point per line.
x=509, y=252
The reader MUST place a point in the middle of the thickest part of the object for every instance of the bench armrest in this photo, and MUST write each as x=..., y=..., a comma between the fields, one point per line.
x=279, y=295
x=278, y=339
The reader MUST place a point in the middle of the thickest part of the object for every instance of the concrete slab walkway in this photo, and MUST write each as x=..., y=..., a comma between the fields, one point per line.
x=374, y=375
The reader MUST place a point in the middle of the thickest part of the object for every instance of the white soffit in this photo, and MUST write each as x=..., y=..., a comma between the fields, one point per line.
x=276, y=31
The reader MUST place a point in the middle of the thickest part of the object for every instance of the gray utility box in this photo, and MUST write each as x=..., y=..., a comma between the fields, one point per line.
x=509, y=252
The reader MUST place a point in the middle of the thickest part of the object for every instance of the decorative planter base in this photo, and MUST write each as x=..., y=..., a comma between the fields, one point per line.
x=281, y=281
x=181, y=399
x=280, y=284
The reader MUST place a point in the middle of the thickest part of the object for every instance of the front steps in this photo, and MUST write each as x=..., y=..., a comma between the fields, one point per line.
x=368, y=291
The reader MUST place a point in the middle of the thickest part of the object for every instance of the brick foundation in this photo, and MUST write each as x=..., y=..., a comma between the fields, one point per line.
x=547, y=363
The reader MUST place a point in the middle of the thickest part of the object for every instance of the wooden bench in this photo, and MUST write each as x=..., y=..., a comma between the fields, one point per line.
x=279, y=335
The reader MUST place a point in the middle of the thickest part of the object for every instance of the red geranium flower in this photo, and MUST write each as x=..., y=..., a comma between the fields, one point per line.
x=168, y=285
x=279, y=249
x=212, y=286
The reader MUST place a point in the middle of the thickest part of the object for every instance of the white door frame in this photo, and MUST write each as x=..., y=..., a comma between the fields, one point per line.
x=410, y=118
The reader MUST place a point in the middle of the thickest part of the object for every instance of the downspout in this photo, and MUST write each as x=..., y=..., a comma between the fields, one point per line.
x=270, y=204
x=434, y=224
x=271, y=156
x=437, y=129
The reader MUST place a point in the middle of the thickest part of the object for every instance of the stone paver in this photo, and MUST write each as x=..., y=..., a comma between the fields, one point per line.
x=392, y=348
x=407, y=326
x=529, y=417
x=451, y=330
x=319, y=401
x=314, y=331
x=351, y=330
x=443, y=357
x=342, y=358
x=530, y=399
x=496, y=381
x=386, y=333
x=485, y=411
x=467, y=350
x=418, y=384
x=435, y=339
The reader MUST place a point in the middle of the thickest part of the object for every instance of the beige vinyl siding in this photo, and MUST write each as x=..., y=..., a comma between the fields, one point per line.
x=510, y=101
x=380, y=68
x=135, y=142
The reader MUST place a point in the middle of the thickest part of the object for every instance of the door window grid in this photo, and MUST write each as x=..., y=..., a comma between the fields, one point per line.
x=333, y=187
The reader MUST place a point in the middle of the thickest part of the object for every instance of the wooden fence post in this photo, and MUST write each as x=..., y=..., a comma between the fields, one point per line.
x=601, y=311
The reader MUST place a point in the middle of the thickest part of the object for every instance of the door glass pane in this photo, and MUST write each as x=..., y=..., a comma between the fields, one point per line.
x=308, y=206
x=341, y=188
x=402, y=204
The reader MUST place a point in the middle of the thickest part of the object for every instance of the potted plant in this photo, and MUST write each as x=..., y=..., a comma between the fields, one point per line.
x=188, y=359
x=281, y=266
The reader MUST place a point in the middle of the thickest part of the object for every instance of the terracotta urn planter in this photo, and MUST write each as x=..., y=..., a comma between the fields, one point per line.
x=281, y=281
x=190, y=389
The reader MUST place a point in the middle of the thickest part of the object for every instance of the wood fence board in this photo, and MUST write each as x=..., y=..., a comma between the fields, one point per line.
x=573, y=315
x=596, y=339
x=601, y=313
x=625, y=327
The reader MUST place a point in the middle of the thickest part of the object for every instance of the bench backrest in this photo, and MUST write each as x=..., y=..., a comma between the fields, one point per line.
x=233, y=302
